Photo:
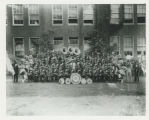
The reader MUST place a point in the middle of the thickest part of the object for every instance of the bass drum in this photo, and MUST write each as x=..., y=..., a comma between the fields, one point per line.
x=75, y=78
x=67, y=81
x=83, y=81
x=61, y=81
x=89, y=81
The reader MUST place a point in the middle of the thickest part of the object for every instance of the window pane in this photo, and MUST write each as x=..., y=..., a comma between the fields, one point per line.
x=115, y=8
x=127, y=16
x=140, y=8
x=17, y=9
x=114, y=21
x=88, y=17
x=88, y=21
x=57, y=21
x=18, y=17
x=73, y=21
x=114, y=15
x=128, y=8
x=34, y=9
x=57, y=16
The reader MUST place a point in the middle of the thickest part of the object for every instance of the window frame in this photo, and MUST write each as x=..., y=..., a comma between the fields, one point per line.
x=62, y=16
x=141, y=13
x=30, y=41
x=17, y=14
x=14, y=45
x=90, y=24
x=29, y=15
x=118, y=13
x=73, y=44
x=129, y=13
x=77, y=15
x=61, y=40
x=119, y=47
x=130, y=46
x=144, y=47
x=85, y=40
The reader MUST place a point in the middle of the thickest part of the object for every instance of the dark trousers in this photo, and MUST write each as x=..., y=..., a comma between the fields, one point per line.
x=136, y=77
x=15, y=78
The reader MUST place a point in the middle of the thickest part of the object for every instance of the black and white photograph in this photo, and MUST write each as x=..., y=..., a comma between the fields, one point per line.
x=76, y=59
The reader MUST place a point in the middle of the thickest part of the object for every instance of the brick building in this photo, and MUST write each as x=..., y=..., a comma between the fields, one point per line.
x=128, y=20
x=71, y=25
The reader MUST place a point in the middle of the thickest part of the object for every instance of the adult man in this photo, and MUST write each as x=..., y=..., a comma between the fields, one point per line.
x=16, y=70
x=137, y=71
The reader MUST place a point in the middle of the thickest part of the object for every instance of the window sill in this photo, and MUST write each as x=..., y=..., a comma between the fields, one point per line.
x=17, y=24
x=33, y=25
x=140, y=23
x=128, y=23
x=73, y=24
x=88, y=24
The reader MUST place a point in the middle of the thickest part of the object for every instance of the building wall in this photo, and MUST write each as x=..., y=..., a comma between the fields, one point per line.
x=135, y=29
x=45, y=26
x=101, y=23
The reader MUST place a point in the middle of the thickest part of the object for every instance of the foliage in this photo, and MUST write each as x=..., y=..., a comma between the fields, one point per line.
x=45, y=43
x=99, y=44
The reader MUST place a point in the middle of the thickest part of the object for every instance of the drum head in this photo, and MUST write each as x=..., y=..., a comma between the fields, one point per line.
x=75, y=78
x=89, y=81
x=83, y=81
x=68, y=81
x=61, y=81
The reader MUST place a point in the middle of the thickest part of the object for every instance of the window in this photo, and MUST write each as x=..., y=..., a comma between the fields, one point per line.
x=88, y=14
x=73, y=14
x=73, y=40
x=115, y=42
x=141, y=45
x=57, y=14
x=19, y=47
x=128, y=44
x=34, y=44
x=33, y=12
x=87, y=40
x=140, y=13
x=17, y=14
x=128, y=13
x=115, y=14
x=58, y=40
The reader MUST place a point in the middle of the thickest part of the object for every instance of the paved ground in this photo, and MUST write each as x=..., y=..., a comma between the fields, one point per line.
x=94, y=99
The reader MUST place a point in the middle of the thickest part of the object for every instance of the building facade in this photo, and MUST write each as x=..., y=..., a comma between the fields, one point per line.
x=130, y=36
x=64, y=25
x=71, y=25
